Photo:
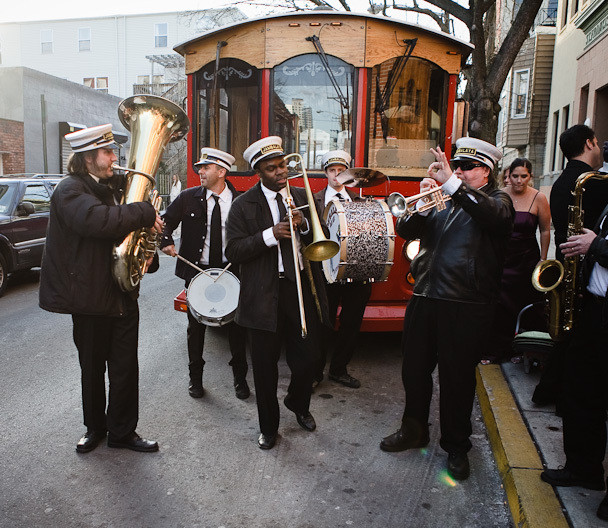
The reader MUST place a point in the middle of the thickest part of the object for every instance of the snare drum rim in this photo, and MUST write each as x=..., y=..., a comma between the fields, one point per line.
x=205, y=319
x=343, y=236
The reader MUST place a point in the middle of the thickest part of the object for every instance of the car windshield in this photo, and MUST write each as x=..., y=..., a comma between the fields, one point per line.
x=7, y=190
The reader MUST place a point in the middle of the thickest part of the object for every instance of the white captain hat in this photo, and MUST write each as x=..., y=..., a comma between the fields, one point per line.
x=91, y=138
x=268, y=147
x=336, y=157
x=468, y=148
x=219, y=157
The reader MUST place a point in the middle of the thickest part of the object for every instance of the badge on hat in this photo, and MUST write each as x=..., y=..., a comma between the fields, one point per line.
x=265, y=148
x=219, y=157
x=91, y=138
x=478, y=150
x=336, y=157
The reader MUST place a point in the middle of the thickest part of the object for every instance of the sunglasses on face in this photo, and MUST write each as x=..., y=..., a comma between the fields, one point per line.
x=465, y=165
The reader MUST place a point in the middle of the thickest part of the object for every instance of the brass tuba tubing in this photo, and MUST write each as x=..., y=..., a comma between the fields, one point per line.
x=154, y=122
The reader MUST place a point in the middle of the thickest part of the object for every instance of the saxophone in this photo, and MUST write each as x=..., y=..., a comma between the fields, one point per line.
x=154, y=122
x=560, y=280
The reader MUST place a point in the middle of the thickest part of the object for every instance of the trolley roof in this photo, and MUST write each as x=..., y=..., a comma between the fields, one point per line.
x=458, y=46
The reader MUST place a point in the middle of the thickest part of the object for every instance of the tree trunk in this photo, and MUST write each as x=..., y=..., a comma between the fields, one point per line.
x=483, y=115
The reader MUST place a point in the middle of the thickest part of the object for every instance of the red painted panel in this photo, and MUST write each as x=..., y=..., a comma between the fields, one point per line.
x=449, y=121
x=192, y=176
x=265, y=125
x=360, y=125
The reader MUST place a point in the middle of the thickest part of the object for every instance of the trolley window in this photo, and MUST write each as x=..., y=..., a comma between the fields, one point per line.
x=401, y=133
x=312, y=109
x=227, y=110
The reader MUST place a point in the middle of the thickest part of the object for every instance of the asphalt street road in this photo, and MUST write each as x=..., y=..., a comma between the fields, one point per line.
x=209, y=471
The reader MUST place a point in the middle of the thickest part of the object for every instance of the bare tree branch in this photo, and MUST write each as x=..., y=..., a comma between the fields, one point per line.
x=513, y=42
x=441, y=19
x=449, y=6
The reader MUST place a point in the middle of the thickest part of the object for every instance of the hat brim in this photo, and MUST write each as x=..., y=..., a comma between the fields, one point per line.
x=109, y=144
x=200, y=163
x=464, y=157
x=268, y=156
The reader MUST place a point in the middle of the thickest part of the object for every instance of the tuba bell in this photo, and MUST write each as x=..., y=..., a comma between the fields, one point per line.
x=154, y=122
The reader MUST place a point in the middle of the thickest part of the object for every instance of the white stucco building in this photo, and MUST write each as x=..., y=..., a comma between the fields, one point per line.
x=111, y=53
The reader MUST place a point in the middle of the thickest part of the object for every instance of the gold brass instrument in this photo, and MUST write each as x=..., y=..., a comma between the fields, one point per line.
x=320, y=248
x=154, y=122
x=561, y=280
x=401, y=206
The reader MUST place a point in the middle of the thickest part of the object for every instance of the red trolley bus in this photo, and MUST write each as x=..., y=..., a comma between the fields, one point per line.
x=381, y=89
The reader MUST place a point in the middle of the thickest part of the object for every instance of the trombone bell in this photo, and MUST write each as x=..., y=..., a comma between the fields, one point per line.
x=321, y=248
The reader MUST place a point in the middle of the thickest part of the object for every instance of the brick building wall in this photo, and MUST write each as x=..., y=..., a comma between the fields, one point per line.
x=12, y=147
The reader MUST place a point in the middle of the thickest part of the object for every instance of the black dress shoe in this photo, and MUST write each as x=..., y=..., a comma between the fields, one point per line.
x=458, y=466
x=134, y=443
x=241, y=388
x=90, y=441
x=346, y=379
x=402, y=440
x=196, y=391
x=267, y=441
x=602, y=510
x=564, y=477
x=305, y=419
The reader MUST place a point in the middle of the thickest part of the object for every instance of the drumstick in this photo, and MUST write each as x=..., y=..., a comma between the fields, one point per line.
x=229, y=264
x=196, y=267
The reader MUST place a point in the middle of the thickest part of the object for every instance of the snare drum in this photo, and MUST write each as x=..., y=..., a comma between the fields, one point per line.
x=212, y=300
x=366, y=235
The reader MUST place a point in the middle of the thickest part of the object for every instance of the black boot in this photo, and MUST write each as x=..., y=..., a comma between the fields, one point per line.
x=411, y=435
x=195, y=389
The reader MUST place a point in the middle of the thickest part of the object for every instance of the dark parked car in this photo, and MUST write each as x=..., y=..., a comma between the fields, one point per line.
x=25, y=202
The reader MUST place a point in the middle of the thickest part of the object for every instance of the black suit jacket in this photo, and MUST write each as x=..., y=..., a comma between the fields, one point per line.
x=189, y=208
x=595, y=199
x=259, y=296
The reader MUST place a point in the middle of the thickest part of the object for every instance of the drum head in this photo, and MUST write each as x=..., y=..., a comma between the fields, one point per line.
x=336, y=224
x=212, y=300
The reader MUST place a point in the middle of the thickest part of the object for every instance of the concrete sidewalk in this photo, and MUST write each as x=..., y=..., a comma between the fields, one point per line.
x=526, y=439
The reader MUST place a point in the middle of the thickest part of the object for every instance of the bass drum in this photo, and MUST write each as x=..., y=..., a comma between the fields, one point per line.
x=366, y=235
x=212, y=299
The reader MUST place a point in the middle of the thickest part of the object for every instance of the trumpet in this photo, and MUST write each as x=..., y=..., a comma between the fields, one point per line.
x=320, y=248
x=401, y=206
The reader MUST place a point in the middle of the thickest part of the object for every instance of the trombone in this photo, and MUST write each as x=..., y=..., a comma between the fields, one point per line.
x=320, y=248
x=401, y=206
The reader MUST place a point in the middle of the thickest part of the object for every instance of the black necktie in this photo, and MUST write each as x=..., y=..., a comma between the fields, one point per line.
x=340, y=197
x=215, y=240
x=285, y=243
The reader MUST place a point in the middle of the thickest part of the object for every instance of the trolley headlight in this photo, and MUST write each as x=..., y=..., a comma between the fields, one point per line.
x=411, y=249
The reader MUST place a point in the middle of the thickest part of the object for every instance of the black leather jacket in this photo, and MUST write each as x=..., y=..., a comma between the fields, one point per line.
x=462, y=248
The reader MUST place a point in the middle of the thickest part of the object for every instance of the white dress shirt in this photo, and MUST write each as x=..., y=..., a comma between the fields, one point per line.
x=598, y=281
x=225, y=201
x=267, y=234
x=330, y=194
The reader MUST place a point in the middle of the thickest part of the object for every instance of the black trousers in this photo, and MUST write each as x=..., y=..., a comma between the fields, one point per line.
x=353, y=297
x=586, y=392
x=237, y=340
x=451, y=335
x=110, y=341
x=301, y=355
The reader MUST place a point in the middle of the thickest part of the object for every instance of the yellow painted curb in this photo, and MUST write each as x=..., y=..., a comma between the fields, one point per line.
x=532, y=502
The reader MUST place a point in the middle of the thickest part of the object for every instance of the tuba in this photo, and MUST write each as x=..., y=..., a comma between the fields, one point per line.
x=154, y=122
x=560, y=281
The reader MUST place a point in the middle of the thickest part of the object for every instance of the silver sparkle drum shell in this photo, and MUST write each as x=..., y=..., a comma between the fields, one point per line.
x=366, y=235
